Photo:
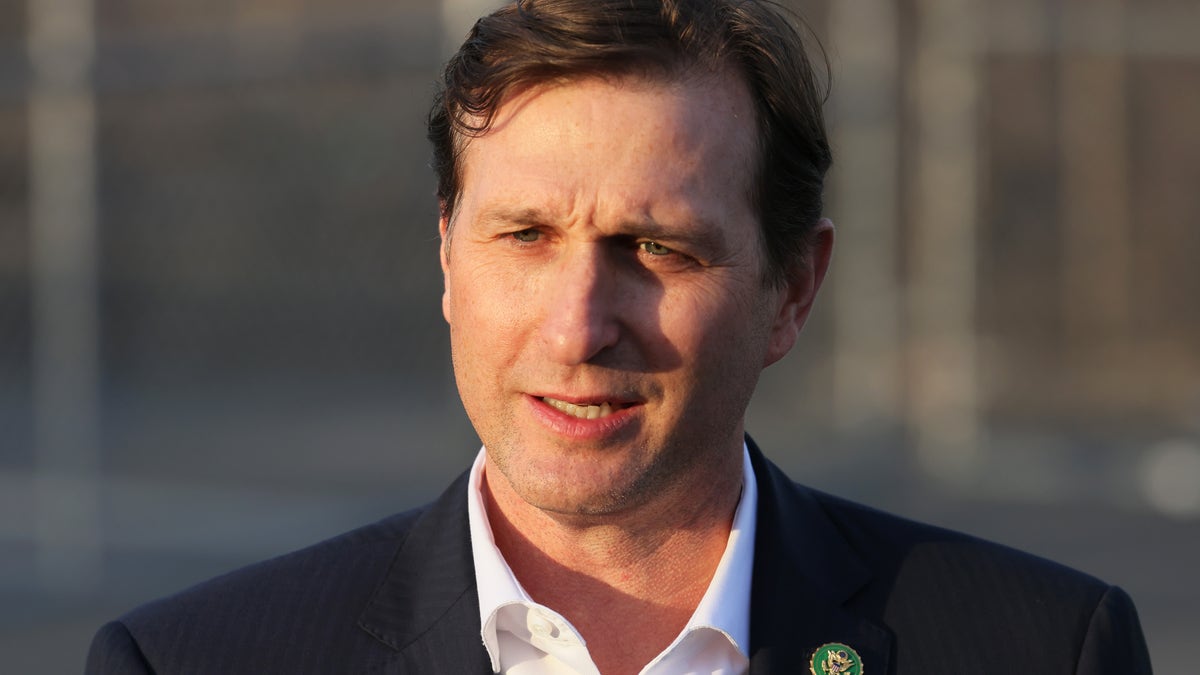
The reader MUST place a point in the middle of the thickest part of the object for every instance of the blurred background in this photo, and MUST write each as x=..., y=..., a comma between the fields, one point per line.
x=220, y=330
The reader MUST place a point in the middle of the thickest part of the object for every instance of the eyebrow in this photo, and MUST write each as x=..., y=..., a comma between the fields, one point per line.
x=707, y=234
x=527, y=216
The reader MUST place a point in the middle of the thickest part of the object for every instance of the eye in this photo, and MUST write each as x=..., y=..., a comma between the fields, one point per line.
x=655, y=248
x=527, y=236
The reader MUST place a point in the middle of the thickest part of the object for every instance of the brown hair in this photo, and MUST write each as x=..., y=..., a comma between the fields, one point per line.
x=533, y=41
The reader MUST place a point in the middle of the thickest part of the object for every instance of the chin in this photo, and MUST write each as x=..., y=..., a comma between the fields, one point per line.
x=569, y=491
x=582, y=505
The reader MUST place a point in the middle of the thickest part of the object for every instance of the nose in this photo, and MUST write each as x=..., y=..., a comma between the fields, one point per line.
x=581, y=314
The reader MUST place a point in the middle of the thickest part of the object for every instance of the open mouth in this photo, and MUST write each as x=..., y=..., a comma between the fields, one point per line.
x=585, y=411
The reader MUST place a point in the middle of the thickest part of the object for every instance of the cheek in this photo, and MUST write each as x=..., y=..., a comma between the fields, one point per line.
x=682, y=337
x=728, y=339
x=708, y=318
x=487, y=316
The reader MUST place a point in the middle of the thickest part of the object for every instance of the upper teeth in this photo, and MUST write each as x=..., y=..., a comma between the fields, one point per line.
x=589, y=412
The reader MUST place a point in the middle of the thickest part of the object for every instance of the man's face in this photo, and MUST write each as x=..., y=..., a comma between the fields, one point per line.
x=604, y=291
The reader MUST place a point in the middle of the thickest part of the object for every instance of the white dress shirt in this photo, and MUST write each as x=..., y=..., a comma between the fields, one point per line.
x=526, y=638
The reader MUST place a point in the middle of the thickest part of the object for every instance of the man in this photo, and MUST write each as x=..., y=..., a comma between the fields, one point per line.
x=630, y=214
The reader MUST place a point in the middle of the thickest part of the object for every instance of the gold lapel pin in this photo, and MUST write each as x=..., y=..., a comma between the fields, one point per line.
x=835, y=658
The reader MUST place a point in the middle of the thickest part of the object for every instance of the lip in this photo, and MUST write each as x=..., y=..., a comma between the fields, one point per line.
x=577, y=429
x=589, y=399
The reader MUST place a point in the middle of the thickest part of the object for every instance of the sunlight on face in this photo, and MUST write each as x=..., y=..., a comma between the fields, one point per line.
x=603, y=289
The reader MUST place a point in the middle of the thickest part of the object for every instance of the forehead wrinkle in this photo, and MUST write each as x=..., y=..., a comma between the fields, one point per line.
x=611, y=198
x=557, y=210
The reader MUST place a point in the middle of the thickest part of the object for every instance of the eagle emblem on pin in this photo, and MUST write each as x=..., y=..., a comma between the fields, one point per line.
x=835, y=658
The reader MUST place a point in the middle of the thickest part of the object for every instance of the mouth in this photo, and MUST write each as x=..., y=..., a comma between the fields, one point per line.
x=585, y=411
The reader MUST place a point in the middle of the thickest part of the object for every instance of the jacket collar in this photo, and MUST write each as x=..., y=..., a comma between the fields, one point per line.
x=427, y=606
x=804, y=574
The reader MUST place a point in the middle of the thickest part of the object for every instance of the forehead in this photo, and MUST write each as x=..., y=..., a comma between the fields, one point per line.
x=688, y=139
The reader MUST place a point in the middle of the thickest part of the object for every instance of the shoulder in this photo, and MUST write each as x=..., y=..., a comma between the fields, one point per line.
x=893, y=541
x=897, y=552
x=918, y=553
x=291, y=580
x=952, y=599
x=261, y=614
x=948, y=601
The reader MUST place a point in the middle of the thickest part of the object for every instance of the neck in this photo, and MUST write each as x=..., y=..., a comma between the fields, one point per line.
x=644, y=569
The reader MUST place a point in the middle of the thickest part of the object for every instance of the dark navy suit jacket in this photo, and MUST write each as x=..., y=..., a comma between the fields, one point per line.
x=399, y=597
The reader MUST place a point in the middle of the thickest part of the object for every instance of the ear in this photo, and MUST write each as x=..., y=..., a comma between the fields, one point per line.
x=444, y=257
x=798, y=295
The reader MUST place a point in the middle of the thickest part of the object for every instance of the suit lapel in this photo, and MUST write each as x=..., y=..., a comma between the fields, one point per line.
x=427, y=608
x=804, y=573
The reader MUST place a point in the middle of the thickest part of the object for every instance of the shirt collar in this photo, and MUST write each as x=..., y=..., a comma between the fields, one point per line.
x=497, y=585
x=724, y=607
